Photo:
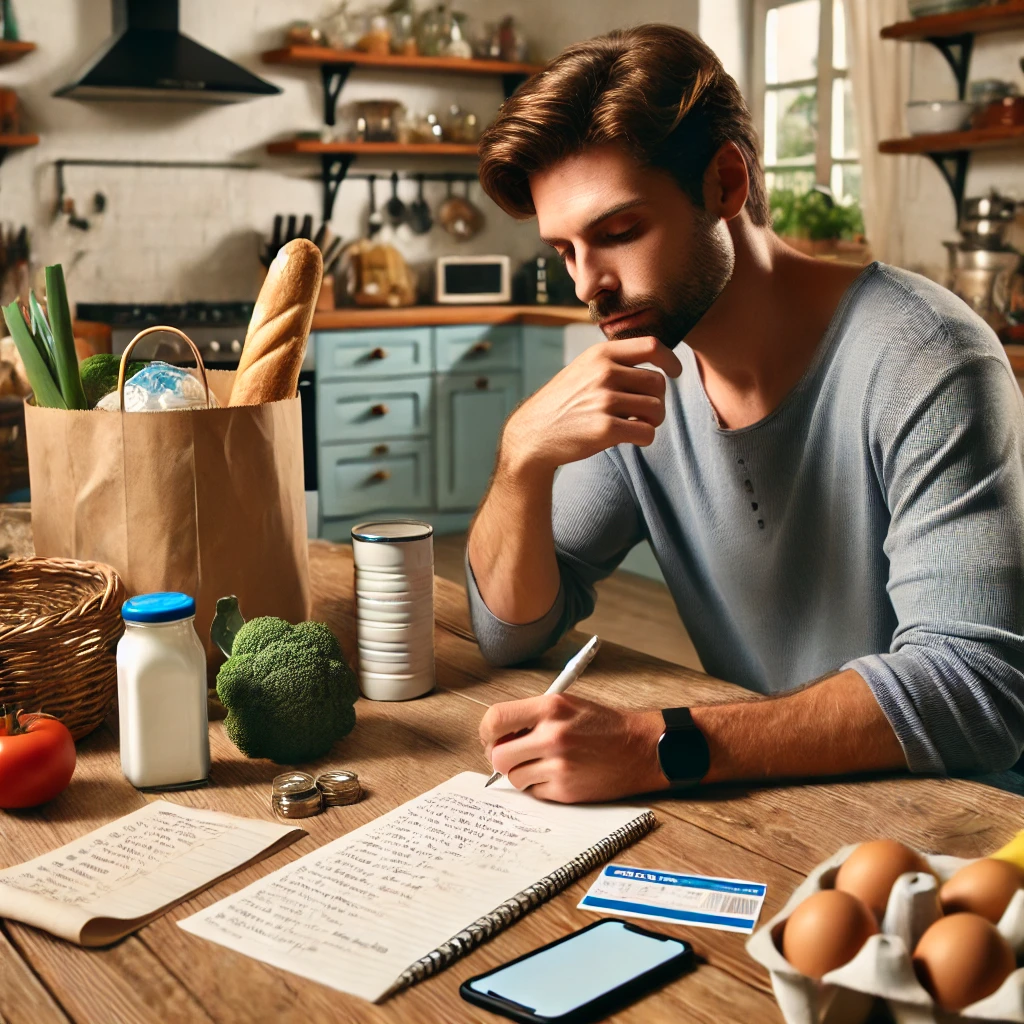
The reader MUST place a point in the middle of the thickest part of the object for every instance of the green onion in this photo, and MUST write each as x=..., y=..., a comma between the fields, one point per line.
x=43, y=385
x=64, y=339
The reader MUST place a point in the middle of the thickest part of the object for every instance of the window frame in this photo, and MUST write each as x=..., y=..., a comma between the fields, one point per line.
x=824, y=161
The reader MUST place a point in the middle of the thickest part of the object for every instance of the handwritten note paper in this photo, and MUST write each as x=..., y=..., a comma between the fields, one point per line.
x=110, y=882
x=357, y=912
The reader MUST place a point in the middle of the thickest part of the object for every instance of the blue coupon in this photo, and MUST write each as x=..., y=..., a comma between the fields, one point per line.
x=727, y=903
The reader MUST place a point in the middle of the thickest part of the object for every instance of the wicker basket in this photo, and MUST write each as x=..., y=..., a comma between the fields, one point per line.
x=59, y=623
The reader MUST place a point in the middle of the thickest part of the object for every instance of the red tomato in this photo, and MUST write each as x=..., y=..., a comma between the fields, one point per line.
x=37, y=759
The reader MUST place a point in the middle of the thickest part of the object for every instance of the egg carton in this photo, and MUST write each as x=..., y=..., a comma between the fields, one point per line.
x=883, y=968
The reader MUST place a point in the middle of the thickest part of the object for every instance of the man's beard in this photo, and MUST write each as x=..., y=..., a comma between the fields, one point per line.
x=684, y=300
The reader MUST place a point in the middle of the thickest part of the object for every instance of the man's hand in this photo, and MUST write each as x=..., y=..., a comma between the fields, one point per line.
x=570, y=750
x=601, y=399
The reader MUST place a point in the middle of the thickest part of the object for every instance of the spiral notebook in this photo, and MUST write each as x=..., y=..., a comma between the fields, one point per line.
x=404, y=896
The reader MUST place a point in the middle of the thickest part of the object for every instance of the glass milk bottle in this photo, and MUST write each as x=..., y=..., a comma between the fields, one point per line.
x=161, y=694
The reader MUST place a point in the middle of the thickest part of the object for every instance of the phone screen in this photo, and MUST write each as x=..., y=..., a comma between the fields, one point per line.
x=555, y=981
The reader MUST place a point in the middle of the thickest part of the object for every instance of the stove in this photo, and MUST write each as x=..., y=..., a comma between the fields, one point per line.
x=217, y=328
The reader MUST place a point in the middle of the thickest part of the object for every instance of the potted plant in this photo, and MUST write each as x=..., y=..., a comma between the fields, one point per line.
x=815, y=224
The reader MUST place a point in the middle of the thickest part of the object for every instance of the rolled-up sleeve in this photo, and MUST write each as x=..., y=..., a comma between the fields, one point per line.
x=949, y=458
x=595, y=524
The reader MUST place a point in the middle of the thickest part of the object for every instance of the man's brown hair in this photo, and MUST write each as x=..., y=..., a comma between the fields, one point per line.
x=655, y=89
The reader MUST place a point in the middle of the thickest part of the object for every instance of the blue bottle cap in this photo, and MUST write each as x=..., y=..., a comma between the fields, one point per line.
x=166, y=606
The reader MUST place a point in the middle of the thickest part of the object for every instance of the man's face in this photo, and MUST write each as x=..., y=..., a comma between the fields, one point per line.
x=645, y=259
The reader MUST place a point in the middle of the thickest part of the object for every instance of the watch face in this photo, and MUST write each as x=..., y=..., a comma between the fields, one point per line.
x=682, y=750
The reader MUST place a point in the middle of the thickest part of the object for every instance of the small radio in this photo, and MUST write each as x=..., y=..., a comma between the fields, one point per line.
x=473, y=279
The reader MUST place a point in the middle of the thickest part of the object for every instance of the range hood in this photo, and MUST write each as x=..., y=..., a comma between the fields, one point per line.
x=149, y=59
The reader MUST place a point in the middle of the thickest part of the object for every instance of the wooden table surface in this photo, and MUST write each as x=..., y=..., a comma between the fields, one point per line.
x=775, y=835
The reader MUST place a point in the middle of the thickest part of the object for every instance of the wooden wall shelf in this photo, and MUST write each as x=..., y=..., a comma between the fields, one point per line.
x=11, y=51
x=953, y=36
x=952, y=142
x=335, y=67
x=311, y=147
x=1007, y=17
x=312, y=56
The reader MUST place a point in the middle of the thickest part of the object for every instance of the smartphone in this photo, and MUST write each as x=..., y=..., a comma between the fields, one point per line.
x=583, y=977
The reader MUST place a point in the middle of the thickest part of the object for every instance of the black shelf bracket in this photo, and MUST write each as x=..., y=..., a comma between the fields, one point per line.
x=957, y=51
x=953, y=167
x=333, y=168
x=334, y=77
x=511, y=81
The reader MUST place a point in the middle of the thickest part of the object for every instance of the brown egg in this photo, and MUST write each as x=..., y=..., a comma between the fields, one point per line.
x=826, y=931
x=961, y=959
x=984, y=887
x=869, y=872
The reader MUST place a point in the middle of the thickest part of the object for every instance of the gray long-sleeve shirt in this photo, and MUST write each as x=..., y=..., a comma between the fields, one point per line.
x=873, y=521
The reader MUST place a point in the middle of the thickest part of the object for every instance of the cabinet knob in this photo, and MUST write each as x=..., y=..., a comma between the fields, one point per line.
x=482, y=383
x=480, y=348
x=378, y=353
x=381, y=449
x=380, y=409
x=380, y=476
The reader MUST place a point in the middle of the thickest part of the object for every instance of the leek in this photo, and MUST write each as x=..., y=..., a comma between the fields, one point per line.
x=42, y=333
x=44, y=387
x=63, y=340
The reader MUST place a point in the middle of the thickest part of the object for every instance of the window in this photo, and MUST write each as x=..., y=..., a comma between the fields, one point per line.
x=803, y=106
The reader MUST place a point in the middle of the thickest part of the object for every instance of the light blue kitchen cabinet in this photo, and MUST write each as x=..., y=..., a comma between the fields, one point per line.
x=359, y=478
x=476, y=348
x=543, y=355
x=344, y=355
x=471, y=410
x=408, y=419
x=367, y=410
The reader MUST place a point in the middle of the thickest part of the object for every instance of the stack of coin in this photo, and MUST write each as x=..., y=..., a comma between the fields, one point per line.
x=339, y=788
x=296, y=795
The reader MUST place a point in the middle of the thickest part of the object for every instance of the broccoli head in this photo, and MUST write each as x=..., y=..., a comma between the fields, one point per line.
x=99, y=375
x=288, y=690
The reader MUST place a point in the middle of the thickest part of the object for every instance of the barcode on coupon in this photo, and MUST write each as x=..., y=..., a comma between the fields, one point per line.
x=721, y=903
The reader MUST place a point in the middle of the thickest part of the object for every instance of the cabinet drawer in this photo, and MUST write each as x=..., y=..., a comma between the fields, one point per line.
x=471, y=347
x=366, y=410
x=341, y=355
x=358, y=478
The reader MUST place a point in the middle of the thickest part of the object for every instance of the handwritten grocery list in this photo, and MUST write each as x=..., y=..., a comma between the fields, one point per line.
x=132, y=869
x=357, y=912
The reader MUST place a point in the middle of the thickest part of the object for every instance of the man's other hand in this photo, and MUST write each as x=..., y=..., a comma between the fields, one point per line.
x=569, y=750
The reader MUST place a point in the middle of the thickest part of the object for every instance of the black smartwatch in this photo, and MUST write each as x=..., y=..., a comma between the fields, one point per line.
x=682, y=750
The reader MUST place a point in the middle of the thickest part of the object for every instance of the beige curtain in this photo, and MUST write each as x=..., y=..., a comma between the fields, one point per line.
x=880, y=77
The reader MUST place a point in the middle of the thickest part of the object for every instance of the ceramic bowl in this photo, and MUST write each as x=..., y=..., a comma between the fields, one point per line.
x=932, y=117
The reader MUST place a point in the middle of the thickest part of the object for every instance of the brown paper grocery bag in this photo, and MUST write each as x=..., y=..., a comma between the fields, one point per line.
x=208, y=502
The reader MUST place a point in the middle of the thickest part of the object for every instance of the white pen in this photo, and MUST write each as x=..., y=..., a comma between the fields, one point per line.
x=574, y=668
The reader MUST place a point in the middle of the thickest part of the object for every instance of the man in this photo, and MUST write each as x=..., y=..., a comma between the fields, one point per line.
x=829, y=468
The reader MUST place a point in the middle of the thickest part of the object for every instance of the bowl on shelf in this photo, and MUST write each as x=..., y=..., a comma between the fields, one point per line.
x=930, y=117
x=926, y=8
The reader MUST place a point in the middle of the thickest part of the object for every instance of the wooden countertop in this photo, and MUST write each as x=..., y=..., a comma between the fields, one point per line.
x=771, y=834
x=433, y=316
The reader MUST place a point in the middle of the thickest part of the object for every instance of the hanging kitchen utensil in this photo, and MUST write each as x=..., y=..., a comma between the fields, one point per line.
x=395, y=208
x=289, y=233
x=318, y=238
x=375, y=221
x=332, y=254
x=306, y=231
x=459, y=217
x=420, y=220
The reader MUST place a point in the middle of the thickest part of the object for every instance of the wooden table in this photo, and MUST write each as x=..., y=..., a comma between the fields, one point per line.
x=769, y=834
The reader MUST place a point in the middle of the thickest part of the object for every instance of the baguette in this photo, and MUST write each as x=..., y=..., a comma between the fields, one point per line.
x=275, y=343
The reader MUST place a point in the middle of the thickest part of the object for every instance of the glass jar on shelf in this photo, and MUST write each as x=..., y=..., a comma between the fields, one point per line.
x=461, y=126
x=377, y=39
x=343, y=28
